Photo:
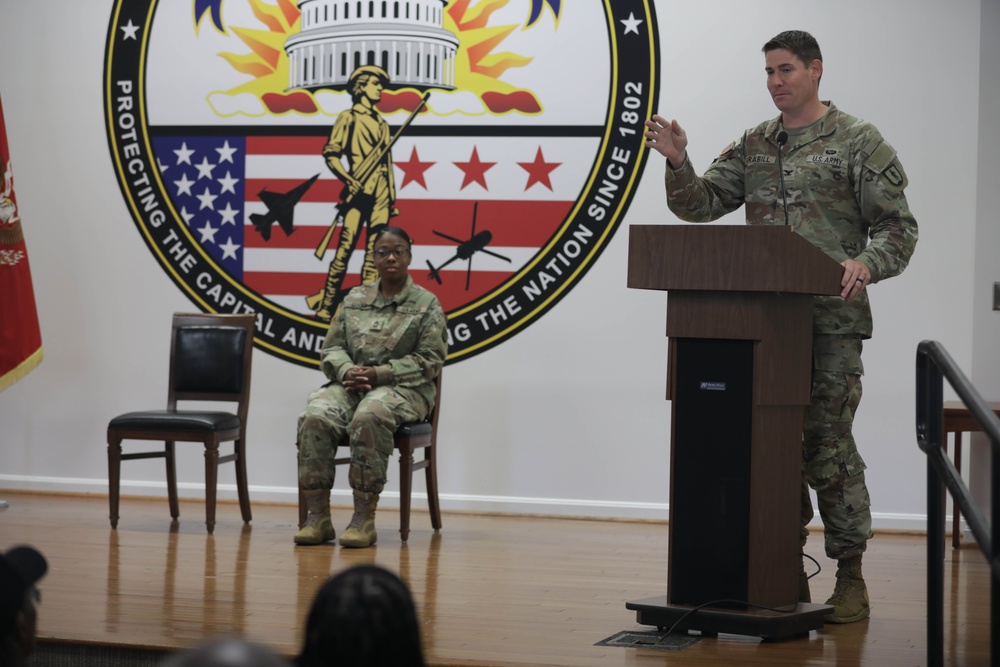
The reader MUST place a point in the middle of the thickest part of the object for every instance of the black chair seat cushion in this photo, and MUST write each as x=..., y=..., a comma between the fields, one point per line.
x=180, y=420
x=414, y=429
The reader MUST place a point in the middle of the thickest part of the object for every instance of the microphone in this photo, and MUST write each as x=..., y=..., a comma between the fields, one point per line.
x=782, y=138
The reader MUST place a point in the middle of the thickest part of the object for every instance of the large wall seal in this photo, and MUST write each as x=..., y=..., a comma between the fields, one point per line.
x=513, y=149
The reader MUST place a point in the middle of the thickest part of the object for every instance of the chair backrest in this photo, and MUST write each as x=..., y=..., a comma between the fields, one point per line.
x=210, y=358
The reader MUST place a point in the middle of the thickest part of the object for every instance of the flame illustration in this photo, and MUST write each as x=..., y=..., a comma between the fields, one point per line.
x=480, y=63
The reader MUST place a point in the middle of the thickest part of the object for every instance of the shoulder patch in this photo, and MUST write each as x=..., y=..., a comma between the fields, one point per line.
x=894, y=176
x=727, y=152
x=880, y=158
x=882, y=161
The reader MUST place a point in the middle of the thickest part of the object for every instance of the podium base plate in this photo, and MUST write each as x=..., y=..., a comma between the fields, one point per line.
x=710, y=621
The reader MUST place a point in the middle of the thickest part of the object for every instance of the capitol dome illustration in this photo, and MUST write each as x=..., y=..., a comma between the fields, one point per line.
x=406, y=38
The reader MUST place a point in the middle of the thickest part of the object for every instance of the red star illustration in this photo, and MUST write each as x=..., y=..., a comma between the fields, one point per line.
x=475, y=170
x=539, y=170
x=413, y=170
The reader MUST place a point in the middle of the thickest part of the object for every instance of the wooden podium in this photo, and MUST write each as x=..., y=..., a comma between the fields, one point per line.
x=739, y=322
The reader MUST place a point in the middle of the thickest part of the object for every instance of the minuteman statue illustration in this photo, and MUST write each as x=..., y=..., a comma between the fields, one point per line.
x=362, y=136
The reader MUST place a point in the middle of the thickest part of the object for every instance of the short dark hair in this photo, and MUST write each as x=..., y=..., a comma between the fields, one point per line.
x=799, y=43
x=362, y=617
x=20, y=569
x=382, y=230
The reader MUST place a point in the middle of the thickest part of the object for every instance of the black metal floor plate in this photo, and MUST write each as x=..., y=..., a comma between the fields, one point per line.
x=649, y=639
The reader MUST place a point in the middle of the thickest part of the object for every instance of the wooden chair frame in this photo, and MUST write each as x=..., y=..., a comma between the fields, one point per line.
x=152, y=425
x=958, y=419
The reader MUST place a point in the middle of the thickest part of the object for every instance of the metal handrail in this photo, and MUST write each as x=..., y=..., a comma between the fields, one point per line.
x=934, y=364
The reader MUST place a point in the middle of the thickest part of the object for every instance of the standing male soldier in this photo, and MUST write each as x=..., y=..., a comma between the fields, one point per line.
x=844, y=185
x=363, y=136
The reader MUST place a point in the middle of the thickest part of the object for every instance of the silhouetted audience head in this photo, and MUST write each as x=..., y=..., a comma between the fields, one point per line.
x=20, y=569
x=362, y=617
x=230, y=652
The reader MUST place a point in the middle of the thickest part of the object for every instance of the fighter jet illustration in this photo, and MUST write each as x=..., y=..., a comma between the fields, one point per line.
x=280, y=208
x=466, y=249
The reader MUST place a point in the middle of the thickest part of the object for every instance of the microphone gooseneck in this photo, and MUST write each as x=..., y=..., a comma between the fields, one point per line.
x=782, y=138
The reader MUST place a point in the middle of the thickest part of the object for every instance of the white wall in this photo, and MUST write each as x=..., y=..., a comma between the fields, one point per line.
x=566, y=417
x=986, y=321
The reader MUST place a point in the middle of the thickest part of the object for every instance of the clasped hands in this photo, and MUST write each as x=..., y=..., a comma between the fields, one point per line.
x=359, y=378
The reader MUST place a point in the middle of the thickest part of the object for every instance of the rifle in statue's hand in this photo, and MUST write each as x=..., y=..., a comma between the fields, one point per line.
x=364, y=171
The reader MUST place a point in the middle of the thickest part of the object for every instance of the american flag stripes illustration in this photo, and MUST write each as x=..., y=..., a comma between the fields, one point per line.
x=520, y=189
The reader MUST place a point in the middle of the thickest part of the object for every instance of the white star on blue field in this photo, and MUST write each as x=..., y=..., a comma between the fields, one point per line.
x=205, y=179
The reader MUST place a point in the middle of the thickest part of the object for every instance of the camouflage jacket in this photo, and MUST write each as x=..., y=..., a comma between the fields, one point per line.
x=844, y=186
x=404, y=337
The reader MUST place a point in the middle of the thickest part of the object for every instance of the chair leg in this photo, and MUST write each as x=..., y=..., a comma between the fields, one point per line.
x=171, y=464
x=405, y=487
x=432, y=486
x=114, y=477
x=302, y=508
x=302, y=498
x=241, y=480
x=211, y=481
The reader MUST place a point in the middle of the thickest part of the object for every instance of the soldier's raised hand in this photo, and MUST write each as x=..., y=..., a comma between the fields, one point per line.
x=668, y=138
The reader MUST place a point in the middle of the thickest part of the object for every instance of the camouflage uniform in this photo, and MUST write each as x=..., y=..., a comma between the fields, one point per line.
x=405, y=339
x=844, y=186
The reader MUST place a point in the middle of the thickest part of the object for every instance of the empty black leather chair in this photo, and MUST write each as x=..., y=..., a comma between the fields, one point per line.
x=209, y=361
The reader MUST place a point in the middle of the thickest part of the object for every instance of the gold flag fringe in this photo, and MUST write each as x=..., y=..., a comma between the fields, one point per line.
x=21, y=369
x=11, y=234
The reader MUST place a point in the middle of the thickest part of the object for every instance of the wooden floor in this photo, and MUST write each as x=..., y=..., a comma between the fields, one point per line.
x=490, y=590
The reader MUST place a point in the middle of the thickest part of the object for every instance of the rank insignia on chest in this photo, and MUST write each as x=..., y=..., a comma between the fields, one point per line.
x=377, y=325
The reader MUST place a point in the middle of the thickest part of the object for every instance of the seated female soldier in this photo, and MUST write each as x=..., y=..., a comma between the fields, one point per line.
x=384, y=348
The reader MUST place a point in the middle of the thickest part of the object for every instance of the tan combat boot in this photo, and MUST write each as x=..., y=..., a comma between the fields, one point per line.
x=360, y=532
x=318, y=528
x=850, y=596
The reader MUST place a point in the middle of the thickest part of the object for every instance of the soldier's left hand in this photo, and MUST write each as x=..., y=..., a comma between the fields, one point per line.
x=857, y=276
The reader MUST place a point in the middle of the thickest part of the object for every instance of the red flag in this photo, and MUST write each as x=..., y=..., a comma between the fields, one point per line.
x=20, y=338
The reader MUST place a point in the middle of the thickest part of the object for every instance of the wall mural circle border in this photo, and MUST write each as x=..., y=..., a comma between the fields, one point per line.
x=498, y=256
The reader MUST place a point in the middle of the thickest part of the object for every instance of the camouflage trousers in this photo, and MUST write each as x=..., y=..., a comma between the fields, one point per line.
x=831, y=463
x=366, y=422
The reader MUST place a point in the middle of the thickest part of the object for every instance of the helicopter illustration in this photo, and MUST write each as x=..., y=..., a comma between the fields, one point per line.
x=466, y=249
